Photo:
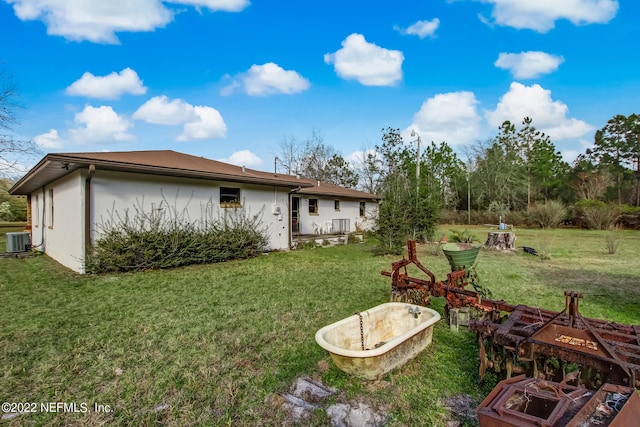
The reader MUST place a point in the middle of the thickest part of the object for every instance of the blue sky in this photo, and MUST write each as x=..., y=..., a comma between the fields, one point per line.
x=232, y=79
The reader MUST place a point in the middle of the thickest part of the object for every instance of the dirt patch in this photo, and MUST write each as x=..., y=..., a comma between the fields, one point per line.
x=307, y=395
x=463, y=410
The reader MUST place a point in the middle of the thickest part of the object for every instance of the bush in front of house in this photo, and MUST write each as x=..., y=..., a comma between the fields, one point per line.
x=165, y=238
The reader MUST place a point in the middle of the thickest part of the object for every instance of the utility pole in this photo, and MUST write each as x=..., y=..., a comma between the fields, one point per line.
x=414, y=133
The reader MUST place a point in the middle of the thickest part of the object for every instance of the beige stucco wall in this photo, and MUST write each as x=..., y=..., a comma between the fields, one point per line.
x=60, y=235
x=116, y=193
x=349, y=209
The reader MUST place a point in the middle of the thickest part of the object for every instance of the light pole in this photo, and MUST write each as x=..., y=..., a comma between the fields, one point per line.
x=414, y=133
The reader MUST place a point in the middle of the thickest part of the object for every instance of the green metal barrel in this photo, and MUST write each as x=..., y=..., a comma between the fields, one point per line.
x=461, y=255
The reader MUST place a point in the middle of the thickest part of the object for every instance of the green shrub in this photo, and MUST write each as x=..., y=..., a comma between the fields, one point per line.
x=353, y=238
x=404, y=215
x=548, y=214
x=165, y=238
x=596, y=214
x=464, y=236
x=630, y=217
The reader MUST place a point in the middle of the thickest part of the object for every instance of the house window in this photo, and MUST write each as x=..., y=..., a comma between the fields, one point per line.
x=229, y=197
x=50, y=211
x=336, y=205
x=363, y=205
x=313, y=206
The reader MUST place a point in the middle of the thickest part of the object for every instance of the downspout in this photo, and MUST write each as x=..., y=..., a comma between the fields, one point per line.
x=87, y=211
x=290, y=209
x=42, y=218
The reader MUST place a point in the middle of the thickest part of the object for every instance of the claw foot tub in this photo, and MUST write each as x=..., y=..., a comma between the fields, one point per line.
x=373, y=342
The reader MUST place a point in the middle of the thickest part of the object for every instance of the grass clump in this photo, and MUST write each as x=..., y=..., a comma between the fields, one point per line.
x=612, y=240
x=164, y=238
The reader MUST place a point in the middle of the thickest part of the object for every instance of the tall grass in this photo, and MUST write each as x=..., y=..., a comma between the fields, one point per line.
x=205, y=344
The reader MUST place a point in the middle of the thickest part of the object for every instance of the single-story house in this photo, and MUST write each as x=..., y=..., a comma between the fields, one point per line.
x=71, y=194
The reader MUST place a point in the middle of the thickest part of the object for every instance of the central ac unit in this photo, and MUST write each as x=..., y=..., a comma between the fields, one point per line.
x=18, y=242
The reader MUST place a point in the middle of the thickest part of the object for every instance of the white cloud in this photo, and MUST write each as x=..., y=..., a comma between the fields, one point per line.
x=369, y=64
x=200, y=122
x=540, y=15
x=101, y=124
x=208, y=125
x=535, y=102
x=160, y=110
x=358, y=157
x=49, y=139
x=243, y=158
x=99, y=21
x=449, y=117
x=267, y=79
x=528, y=65
x=570, y=155
x=421, y=29
x=214, y=5
x=95, y=21
x=111, y=86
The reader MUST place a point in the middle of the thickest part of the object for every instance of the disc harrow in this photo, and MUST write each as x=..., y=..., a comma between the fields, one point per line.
x=519, y=339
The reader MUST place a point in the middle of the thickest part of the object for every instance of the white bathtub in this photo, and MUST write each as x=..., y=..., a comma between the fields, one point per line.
x=392, y=336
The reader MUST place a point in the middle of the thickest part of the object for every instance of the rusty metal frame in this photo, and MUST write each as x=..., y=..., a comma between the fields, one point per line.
x=526, y=334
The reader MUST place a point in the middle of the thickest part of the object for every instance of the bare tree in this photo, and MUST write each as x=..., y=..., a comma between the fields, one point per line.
x=290, y=154
x=316, y=160
x=12, y=148
x=591, y=185
x=369, y=167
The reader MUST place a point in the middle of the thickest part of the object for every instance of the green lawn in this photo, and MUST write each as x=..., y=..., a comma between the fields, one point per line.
x=212, y=341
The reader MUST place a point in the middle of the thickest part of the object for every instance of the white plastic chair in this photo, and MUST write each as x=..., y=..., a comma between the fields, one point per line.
x=328, y=227
x=317, y=228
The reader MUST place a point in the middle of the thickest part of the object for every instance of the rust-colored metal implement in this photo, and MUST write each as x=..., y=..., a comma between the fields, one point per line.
x=516, y=339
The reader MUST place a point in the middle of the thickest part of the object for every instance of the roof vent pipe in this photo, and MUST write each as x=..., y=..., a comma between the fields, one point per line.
x=243, y=169
x=318, y=183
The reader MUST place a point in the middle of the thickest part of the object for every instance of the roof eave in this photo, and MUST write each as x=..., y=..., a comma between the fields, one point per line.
x=71, y=163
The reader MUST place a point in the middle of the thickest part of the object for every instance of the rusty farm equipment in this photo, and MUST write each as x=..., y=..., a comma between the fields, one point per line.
x=518, y=339
x=523, y=402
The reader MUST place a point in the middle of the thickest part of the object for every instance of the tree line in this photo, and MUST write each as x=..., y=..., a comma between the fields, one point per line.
x=517, y=172
x=517, y=168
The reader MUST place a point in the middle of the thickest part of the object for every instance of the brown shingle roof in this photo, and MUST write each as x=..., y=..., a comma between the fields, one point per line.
x=318, y=188
x=160, y=162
